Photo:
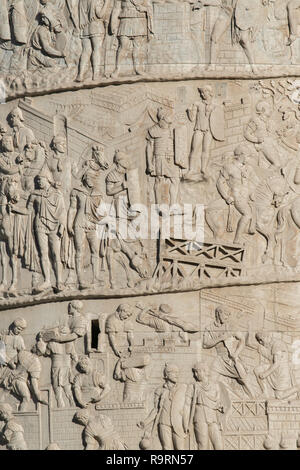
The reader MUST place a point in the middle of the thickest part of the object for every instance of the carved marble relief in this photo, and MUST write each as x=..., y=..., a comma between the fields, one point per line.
x=48, y=45
x=88, y=180
x=149, y=225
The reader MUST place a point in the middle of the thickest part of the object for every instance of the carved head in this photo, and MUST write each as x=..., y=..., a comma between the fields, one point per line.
x=82, y=417
x=206, y=92
x=89, y=179
x=124, y=311
x=99, y=158
x=121, y=160
x=84, y=365
x=6, y=412
x=75, y=306
x=7, y=143
x=164, y=117
x=263, y=338
x=279, y=199
x=44, y=20
x=44, y=179
x=241, y=152
x=263, y=108
x=30, y=150
x=165, y=309
x=201, y=371
x=171, y=372
x=18, y=325
x=59, y=144
x=15, y=117
x=3, y=129
x=221, y=315
x=42, y=182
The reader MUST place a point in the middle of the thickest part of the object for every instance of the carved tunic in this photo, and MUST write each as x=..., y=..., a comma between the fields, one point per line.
x=50, y=210
x=89, y=22
x=99, y=434
x=120, y=199
x=120, y=328
x=170, y=402
x=13, y=344
x=60, y=362
x=4, y=21
x=281, y=378
x=207, y=401
x=60, y=166
x=13, y=434
x=19, y=21
x=133, y=20
x=87, y=205
x=223, y=364
x=78, y=325
x=89, y=385
x=22, y=136
x=163, y=152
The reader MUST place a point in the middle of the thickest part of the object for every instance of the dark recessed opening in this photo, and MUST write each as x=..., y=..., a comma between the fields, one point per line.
x=95, y=333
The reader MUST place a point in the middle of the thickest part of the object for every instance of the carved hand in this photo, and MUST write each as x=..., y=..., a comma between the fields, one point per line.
x=71, y=231
x=61, y=230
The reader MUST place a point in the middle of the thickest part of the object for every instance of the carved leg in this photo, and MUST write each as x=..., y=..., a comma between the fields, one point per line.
x=79, y=239
x=207, y=140
x=221, y=25
x=165, y=437
x=201, y=435
x=58, y=392
x=122, y=52
x=174, y=190
x=94, y=247
x=139, y=54
x=216, y=436
x=262, y=383
x=241, y=229
x=247, y=45
x=215, y=224
x=14, y=268
x=271, y=154
x=21, y=390
x=295, y=213
x=244, y=209
x=111, y=267
x=158, y=189
x=95, y=268
x=84, y=58
x=42, y=240
x=292, y=7
x=196, y=152
x=68, y=393
x=55, y=245
x=4, y=265
x=178, y=442
x=97, y=43
x=121, y=258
